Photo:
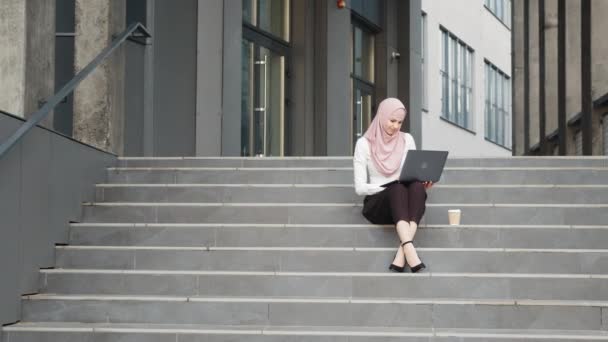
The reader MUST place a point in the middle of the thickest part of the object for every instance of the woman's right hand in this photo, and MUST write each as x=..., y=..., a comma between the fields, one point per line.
x=427, y=185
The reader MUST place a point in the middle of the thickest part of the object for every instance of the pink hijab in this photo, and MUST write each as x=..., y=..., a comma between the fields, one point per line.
x=386, y=151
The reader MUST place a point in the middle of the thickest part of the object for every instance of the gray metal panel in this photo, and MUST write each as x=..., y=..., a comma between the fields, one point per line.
x=320, y=77
x=209, y=78
x=231, y=88
x=339, y=116
x=35, y=250
x=136, y=83
x=392, y=34
x=175, y=26
x=410, y=73
x=303, y=85
x=64, y=197
x=134, y=99
x=73, y=172
x=43, y=181
x=10, y=173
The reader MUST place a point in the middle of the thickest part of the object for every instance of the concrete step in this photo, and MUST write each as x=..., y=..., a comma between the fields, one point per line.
x=50, y=331
x=239, y=235
x=597, y=161
x=344, y=193
x=291, y=259
x=318, y=284
x=296, y=311
x=338, y=213
x=337, y=175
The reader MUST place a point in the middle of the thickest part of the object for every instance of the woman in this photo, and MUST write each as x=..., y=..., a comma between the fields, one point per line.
x=379, y=157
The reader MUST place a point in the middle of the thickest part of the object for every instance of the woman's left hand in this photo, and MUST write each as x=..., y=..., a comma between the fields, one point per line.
x=427, y=185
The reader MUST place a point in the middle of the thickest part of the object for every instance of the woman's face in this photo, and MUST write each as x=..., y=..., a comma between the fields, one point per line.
x=392, y=125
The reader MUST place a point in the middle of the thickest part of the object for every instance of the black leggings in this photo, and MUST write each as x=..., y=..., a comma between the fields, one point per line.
x=397, y=202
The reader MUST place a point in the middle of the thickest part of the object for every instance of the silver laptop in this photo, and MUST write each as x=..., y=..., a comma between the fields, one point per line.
x=422, y=166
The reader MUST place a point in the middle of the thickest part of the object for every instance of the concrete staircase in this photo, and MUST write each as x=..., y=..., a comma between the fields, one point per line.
x=233, y=249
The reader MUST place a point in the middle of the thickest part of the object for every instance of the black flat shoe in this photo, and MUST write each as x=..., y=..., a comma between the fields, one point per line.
x=396, y=268
x=418, y=267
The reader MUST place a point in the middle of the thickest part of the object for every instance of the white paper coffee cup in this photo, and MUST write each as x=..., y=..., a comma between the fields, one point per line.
x=454, y=217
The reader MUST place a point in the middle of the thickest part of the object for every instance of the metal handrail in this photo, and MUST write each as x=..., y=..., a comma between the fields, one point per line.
x=69, y=87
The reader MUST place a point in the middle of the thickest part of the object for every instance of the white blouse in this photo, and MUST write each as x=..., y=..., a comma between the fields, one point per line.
x=367, y=178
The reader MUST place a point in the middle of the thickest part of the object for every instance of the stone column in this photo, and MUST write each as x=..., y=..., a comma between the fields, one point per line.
x=518, y=77
x=551, y=65
x=573, y=68
x=599, y=69
x=27, y=55
x=599, y=48
x=534, y=74
x=99, y=99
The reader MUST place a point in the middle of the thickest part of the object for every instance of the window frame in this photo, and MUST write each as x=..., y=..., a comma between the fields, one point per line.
x=497, y=106
x=457, y=74
x=501, y=10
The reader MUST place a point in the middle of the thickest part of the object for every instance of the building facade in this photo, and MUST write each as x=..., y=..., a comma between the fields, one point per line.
x=560, y=66
x=263, y=77
x=467, y=77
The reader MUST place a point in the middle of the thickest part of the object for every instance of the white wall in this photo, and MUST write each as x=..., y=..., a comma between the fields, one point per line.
x=490, y=39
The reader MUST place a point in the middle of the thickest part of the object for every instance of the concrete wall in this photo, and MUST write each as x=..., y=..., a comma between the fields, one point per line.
x=12, y=60
x=27, y=56
x=99, y=100
x=491, y=40
x=45, y=178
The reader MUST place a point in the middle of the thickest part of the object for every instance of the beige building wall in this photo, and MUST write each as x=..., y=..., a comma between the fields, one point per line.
x=490, y=39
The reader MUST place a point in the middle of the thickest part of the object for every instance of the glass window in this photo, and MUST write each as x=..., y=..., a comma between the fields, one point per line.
x=370, y=10
x=268, y=15
x=498, y=106
x=501, y=9
x=456, y=78
x=363, y=53
x=362, y=80
x=249, y=12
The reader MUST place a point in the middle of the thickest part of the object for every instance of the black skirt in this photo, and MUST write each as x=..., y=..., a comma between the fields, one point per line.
x=397, y=202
